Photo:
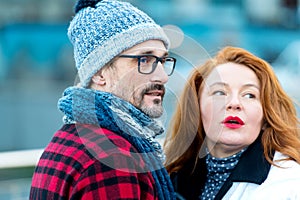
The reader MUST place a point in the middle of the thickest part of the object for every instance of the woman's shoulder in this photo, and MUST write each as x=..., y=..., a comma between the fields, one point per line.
x=282, y=182
x=284, y=170
x=281, y=161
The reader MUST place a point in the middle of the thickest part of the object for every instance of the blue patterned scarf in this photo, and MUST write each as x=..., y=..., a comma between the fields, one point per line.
x=88, y=106
x=219, y=169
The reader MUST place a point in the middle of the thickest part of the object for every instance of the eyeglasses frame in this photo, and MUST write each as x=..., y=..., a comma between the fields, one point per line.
x=154, y=65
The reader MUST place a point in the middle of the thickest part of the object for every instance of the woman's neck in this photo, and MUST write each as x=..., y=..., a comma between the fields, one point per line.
x=223, y=151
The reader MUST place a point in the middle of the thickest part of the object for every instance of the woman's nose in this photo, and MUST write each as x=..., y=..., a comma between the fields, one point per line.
x=234, y=104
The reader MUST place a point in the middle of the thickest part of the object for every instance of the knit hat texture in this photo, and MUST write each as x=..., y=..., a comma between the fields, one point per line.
x=101, y=30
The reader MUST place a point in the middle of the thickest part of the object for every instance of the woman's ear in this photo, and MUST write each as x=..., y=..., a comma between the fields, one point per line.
x=264, y=126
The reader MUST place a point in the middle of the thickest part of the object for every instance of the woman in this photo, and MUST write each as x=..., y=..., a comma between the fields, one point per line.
x=235, y=133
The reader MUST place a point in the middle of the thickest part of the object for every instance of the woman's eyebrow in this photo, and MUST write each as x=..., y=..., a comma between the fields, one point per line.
x=251, y=85
x=218, y=83
x=226, y=85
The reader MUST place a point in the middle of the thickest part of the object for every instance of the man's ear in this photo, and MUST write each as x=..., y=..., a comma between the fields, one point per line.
x=98, y=79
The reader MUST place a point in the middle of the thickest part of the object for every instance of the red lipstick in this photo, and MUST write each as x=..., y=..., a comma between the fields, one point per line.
x=233, y=122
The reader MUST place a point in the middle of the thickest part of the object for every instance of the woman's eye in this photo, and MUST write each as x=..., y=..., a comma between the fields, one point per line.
x=218, y=93
x=250, y=96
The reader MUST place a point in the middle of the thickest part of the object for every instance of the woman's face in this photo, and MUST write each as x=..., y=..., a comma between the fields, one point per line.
x=231, y=109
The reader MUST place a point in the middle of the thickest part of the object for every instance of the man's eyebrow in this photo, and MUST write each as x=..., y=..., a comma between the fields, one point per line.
x=152, y=52
x=146, y=52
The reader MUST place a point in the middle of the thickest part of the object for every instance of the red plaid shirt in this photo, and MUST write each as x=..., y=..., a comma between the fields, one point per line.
x=89, y=162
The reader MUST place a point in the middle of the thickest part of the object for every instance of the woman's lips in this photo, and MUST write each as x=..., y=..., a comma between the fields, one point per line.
x=233, y=122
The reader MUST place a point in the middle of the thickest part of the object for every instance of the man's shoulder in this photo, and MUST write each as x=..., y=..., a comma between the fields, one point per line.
x=88, y=144
x=88, y=134
x=109, y=148
x=100, y=141
x=81, y=154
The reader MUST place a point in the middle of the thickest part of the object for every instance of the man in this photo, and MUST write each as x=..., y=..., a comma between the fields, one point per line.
x=106, y=148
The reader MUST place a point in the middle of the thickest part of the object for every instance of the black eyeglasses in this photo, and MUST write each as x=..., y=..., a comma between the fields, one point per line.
x=147, y=63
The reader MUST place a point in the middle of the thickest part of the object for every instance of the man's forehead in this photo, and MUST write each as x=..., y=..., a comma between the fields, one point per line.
x=148, y=47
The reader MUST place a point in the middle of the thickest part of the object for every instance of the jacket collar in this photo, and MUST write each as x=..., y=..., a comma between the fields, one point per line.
x=252, y=168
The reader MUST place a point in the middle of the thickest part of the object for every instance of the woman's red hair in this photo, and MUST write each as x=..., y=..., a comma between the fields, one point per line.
x=186, y=135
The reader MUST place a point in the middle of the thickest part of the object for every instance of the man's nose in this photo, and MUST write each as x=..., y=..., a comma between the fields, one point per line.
x=159, y=74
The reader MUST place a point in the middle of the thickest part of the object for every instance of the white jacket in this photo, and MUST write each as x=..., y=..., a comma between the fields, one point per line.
x=282, y=183
x=253, y=178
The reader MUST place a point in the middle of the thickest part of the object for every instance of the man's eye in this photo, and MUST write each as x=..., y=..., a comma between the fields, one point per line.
x=145, y=59
x=164, y=60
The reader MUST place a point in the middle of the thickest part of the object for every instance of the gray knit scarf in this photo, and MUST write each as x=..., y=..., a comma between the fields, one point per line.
x=88, y=106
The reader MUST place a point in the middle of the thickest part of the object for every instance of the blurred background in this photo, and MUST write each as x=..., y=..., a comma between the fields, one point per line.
x=36, y=62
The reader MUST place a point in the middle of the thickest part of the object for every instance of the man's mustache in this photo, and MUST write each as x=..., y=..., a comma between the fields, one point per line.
x=154, y=87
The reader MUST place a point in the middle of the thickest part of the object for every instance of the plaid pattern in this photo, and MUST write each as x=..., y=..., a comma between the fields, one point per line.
x=89, y=162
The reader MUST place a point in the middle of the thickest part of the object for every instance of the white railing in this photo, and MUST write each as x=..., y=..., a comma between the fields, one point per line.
x=23, y=158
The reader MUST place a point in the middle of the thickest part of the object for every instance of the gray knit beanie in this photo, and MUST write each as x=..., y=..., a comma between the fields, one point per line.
x=100, y=30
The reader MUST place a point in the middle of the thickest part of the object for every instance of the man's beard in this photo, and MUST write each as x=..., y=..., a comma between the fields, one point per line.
x=156, y=110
